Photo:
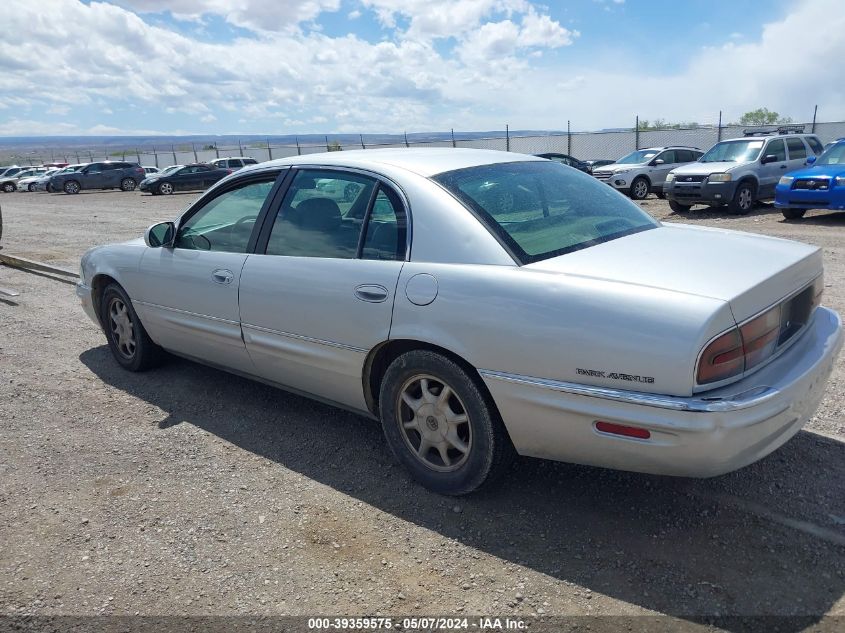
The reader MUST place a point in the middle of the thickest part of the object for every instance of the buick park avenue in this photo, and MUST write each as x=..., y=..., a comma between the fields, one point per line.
x=481, y=304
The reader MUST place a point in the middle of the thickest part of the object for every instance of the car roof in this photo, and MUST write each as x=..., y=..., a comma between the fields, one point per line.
x=764, y=137
x=427, y=161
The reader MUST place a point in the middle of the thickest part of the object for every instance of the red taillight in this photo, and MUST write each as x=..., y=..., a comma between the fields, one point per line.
x=760, y=337
x=621, y=429
x=721, y=359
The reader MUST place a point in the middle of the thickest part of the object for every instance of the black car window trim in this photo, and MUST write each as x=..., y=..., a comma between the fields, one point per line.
x=270, y=216
x=277, y=176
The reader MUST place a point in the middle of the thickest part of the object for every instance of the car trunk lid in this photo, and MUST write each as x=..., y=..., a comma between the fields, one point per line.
x=750, y=272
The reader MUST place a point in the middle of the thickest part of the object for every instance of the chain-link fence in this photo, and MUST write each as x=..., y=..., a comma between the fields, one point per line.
x=584, y=145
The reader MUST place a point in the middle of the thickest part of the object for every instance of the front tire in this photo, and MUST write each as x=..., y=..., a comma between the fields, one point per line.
x=127, y=184
x=165, y=188
x=639, y=188
x=743, y=200
x=71, y=186
x=793, y=214
x=129, y=342
x=30, y=187
x=440, y=426
x=677, y=207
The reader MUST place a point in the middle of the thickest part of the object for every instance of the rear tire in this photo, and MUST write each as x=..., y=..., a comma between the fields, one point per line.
x=743, y=200
x=30, y=186
x=677, y=207
x=793, y=214
x=128, y=184
x=639, y=188
x=451, y=446
x=129, y=342
x=9, y=187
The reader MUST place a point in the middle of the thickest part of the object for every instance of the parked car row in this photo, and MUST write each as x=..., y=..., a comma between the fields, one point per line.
x=127, y=176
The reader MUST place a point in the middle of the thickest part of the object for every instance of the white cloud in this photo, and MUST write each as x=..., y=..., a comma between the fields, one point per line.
x=468, y=64
x=257, y=15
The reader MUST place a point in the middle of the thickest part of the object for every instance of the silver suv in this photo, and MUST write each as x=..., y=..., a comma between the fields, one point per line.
x=645, y=170
x=739, y=171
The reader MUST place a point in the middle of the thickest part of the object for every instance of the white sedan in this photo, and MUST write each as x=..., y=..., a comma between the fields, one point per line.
x=481, y=304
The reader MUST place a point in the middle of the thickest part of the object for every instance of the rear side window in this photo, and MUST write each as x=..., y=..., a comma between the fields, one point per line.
x=815, y=145
x=777, y=148
x=321, y=215
x=386, y=228
x=796, y=148
x=668, y=157
x=684, y=155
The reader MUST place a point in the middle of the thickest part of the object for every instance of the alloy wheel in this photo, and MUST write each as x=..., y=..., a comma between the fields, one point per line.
x=122, y=328
x=434, y=423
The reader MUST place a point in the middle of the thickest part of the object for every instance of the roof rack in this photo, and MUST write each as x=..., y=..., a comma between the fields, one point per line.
x=768, y=131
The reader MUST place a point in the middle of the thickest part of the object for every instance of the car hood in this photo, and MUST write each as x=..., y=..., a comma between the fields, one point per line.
x=749, y=271
x=618, y=166
x=698, y=168
x=819, y=171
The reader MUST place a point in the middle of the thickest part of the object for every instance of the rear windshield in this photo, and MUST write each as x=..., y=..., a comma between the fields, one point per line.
x=541, y=209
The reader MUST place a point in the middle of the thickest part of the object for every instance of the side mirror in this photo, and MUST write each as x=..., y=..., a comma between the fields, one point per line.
x=811, y=160
x=658, y=161
x=160, y=235
x=769, y=158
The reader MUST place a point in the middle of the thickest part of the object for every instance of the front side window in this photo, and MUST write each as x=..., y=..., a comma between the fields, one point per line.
x=96, y=168
x=540, y=209
x=321, y=215
x=225, y=222
x=777, y=149
x=668, y=157
x=796, y=148
x=733, y=152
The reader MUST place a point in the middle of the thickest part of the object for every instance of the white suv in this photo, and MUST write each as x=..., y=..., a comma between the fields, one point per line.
x=233, y=162
x=645, y=170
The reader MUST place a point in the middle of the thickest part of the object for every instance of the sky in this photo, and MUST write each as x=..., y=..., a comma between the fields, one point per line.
x=80, y=67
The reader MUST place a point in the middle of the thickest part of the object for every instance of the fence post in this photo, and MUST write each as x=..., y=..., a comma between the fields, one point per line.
x=637, y=133
x=269, y=150
x=719, y=133
x=815, y=112
x=453, y=138
x=155, y=155
x=568, y=139
x=507, y=138
x=362, y=141
x=240, y=149
x=196, y=158
x=216, y=150
x=406, y=139
x=298, y=149
x=327, y=144
x=91, y=156
x=77, y=158
x=138, y=155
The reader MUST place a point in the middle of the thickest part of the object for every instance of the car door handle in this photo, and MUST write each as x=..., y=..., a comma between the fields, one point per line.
x=371, y=292
x=783, y=166
x=222, y=276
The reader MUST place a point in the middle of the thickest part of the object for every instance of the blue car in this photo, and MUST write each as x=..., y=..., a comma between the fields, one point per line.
x=820, y=185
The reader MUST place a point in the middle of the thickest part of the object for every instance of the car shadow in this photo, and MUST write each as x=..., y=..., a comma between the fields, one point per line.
x=765, y=540
x=700, y=212
x=823, y=218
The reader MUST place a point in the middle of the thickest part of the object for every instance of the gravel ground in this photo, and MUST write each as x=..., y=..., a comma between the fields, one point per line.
x=189, y=491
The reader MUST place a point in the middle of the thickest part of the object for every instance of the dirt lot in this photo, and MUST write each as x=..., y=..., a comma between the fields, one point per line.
x=187, y=490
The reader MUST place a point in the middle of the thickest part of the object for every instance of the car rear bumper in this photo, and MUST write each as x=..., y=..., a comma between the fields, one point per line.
x=700, y=192
x=701, y=436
